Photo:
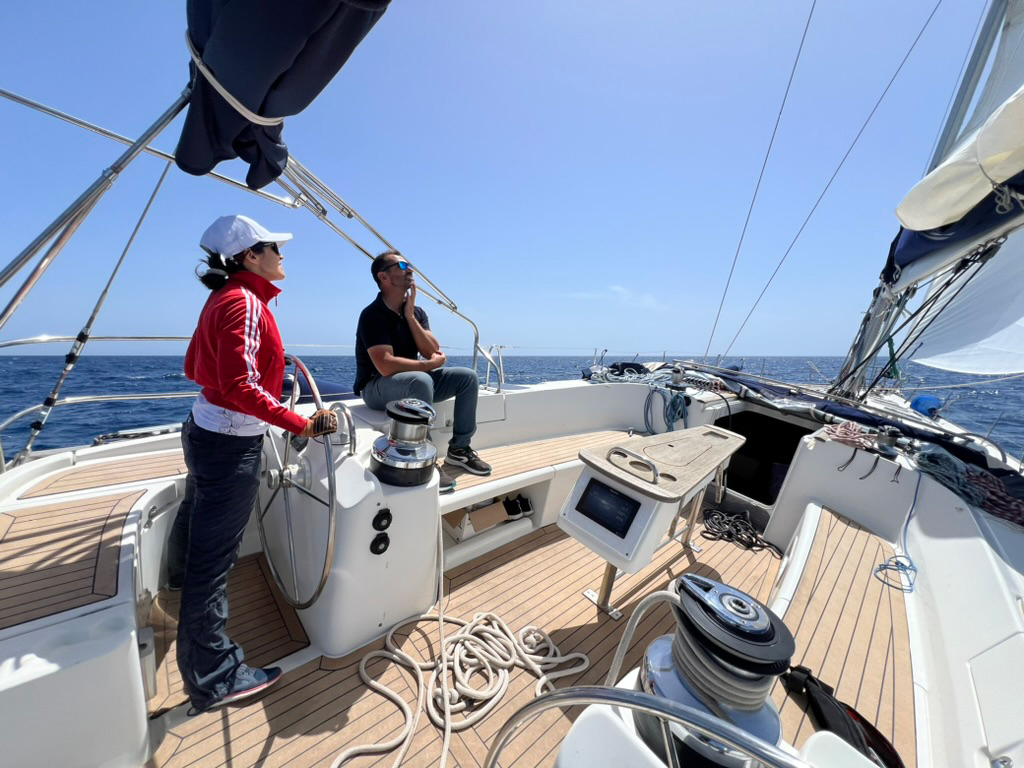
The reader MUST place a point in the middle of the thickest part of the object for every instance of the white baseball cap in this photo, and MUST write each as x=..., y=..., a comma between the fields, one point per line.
x=230, y=235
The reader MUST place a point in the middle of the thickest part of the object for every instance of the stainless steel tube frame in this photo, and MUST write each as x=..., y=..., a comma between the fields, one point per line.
x=699, y=722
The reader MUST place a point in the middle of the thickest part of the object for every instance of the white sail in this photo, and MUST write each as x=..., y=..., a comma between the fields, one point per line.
x=980, y=328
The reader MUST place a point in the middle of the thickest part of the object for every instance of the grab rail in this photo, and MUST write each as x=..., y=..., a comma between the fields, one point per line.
x=499, y=366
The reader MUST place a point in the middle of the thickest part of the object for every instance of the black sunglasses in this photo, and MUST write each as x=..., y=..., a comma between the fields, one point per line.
x=402, y=265
x=259, y=248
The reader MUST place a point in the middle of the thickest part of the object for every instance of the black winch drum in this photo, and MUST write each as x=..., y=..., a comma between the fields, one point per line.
x=405, y=457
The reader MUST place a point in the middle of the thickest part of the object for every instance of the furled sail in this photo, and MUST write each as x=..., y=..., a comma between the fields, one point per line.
x=977, y=326
x=972, y=199
x=990, y=156
x=977, y=183
x=274, y=57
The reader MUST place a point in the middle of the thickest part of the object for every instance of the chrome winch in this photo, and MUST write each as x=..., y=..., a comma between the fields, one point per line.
x=727, y=651
x=405, y=456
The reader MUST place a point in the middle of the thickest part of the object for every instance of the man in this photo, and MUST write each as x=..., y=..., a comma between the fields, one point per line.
x=397, y=356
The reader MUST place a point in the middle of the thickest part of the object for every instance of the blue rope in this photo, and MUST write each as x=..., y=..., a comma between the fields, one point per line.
x=892, y=571
x=674, y=408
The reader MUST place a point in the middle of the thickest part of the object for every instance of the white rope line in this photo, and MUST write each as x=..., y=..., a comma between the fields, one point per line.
x=238, y=106
x=484, y=647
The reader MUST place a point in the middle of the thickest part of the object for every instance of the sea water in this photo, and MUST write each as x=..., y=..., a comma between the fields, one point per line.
x=995, y=406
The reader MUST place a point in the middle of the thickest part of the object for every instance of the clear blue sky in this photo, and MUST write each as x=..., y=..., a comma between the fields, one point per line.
x=573, y=173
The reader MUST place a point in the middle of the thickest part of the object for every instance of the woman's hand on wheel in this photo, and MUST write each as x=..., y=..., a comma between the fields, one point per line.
x=323, y=422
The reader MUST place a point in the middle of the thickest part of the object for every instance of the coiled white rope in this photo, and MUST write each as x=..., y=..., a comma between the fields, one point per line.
x=484, y=646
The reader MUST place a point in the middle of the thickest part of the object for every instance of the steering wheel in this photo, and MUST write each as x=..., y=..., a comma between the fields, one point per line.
x=288, y=479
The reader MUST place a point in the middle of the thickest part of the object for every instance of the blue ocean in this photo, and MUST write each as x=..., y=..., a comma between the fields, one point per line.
x=993, y=408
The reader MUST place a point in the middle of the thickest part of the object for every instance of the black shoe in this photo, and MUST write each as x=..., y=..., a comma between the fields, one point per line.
x=445, y=482
x=524, y=505
x=247, y=681
x=468, y=459
x=512, y=508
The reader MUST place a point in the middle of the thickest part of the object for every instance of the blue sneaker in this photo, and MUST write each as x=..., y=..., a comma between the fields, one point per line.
x=247, y=681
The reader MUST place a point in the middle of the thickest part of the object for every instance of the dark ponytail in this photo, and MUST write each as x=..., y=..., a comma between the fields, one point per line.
x=218, y=268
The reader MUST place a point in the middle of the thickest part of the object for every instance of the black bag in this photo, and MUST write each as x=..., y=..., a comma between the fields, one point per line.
x=843, y=720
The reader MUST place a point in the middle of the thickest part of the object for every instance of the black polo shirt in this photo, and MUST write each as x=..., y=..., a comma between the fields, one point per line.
x=379, y=324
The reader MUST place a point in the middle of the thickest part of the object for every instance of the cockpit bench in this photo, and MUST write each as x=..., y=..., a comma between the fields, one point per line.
x=543, y=471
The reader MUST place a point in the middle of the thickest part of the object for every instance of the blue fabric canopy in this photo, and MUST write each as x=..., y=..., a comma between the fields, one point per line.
x=274, y=56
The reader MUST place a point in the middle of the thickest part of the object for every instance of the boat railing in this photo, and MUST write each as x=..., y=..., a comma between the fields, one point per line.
x=75, y=400
x=53, y=400
x=499, y=366
x=303, y=190
x=706, y=725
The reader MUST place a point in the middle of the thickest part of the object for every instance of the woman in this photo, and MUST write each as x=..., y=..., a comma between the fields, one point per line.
x=236, y=356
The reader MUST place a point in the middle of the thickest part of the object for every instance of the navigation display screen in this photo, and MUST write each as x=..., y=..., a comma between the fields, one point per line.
x=609, y=508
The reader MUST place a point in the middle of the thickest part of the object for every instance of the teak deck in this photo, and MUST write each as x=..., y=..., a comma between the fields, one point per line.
x=323, y=707
x=511, y=460
x=850, y=629
x=851, y=632
x=55, y=557
x=114, y=471
x=264, y=625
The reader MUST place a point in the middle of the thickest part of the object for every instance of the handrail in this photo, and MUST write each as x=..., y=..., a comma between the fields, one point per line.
x=705, y=724
x=350, y=425
x=79, y=400
x=499, y=366
x=47, y=339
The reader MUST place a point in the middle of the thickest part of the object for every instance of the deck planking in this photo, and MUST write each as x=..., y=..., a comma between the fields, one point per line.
x=99, y=473
x=510, y=460
x=55, y=557
x=260, y=621
x=323, y=707
x=851, y=632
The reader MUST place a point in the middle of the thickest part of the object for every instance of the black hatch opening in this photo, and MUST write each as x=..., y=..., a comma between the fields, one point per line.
x=758, y=469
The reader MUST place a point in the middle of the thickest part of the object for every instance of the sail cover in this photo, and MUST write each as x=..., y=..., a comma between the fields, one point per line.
x=989, y=148
x=980, y=328
x=273, y=56
x=992, y=155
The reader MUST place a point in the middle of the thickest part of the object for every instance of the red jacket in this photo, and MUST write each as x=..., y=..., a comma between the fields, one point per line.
x=236, y=354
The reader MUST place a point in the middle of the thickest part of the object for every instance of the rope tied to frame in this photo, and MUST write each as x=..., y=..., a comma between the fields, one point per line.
x=238, y=106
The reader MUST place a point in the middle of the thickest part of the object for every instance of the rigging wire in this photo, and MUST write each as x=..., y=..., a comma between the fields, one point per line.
x=926, y=305
x=757, y=187
x=834, y=175
x=918, y=330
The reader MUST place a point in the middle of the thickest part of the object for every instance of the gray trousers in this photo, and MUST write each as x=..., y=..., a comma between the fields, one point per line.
x=431, y=387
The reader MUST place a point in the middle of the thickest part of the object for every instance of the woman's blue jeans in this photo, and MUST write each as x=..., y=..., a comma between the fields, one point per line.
x=221, y=488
